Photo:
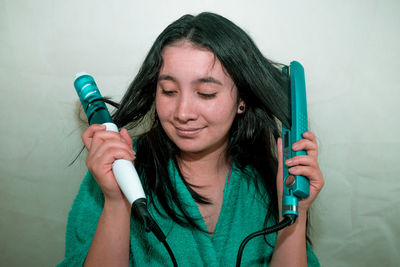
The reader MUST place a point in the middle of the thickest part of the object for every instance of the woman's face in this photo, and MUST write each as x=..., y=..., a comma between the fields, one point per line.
x=196, y=100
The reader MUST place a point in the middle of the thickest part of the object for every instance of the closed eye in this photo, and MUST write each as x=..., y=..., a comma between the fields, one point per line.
x=168, y=92
x=204, y=95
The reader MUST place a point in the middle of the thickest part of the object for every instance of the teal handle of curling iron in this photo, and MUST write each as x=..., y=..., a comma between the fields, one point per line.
x=295, y=187
x=91, y=99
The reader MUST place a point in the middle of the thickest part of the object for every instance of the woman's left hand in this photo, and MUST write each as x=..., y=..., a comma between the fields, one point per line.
x=306, y=165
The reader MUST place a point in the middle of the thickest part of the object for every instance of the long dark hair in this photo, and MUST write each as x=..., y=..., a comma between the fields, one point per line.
x=253, y=135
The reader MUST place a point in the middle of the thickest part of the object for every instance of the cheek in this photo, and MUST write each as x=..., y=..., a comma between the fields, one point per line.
x=221, y=113
x=161, y=108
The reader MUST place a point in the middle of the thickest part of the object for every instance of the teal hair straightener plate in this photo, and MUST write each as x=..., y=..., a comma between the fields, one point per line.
x=295, y=187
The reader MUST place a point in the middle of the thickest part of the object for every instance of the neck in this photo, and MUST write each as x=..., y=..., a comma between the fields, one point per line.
x=205, y=169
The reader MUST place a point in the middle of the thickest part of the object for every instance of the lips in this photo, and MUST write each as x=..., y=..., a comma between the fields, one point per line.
x=188, y=132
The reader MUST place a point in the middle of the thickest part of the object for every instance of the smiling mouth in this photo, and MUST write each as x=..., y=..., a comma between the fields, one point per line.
x=190, y=132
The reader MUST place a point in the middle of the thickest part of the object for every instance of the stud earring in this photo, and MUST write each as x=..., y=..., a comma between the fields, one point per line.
x=241, y=107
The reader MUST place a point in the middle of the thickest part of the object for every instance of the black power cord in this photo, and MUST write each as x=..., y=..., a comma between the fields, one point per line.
x=150, y=225
x=288, y=220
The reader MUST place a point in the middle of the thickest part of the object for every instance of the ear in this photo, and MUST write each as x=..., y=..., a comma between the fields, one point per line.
x=241, y=107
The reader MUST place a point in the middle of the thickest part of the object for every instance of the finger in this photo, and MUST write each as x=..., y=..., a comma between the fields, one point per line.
x=112, y=155
x=88, y=134
x=109, y=146
x=125, y=135
x=310, y=136
x=313, y=174
x=302, y=160
x=101, y=163
x=102, y=136
x=305, y=144
x=104, y=155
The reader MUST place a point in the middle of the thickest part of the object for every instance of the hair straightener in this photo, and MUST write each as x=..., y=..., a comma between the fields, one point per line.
x=124, y=171
x=295, y=187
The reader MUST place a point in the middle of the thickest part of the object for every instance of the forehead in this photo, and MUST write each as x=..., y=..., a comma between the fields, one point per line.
x=187, y=59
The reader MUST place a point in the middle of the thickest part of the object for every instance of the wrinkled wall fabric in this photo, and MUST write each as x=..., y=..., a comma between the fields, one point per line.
x=350, y=51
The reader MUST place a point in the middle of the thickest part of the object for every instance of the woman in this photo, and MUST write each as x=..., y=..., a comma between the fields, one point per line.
x=208, y=162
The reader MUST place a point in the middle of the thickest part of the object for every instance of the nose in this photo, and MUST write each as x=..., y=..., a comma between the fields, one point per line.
x=185, y=109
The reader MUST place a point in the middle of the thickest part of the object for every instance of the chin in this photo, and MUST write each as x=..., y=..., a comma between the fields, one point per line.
x=189, y=148
x=198, y=147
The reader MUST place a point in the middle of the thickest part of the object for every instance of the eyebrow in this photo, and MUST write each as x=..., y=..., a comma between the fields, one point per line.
x=209, y=79
x=166, y=77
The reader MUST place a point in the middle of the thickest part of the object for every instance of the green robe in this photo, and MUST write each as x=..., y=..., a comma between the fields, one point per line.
x=243, y=212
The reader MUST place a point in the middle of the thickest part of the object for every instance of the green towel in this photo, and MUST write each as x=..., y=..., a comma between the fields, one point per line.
x=243, y=212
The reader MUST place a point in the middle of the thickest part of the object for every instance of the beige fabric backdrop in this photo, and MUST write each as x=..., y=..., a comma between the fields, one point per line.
x=350, y=51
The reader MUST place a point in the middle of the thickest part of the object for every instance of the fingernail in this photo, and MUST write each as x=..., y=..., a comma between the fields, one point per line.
x=289, y=161
x=293, y=169
x=295, y=146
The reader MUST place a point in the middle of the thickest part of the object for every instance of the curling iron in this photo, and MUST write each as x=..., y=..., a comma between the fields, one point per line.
x=124, y=171
x=97, y=113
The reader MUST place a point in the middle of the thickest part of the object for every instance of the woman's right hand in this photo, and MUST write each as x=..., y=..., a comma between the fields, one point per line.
x=104, y=147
